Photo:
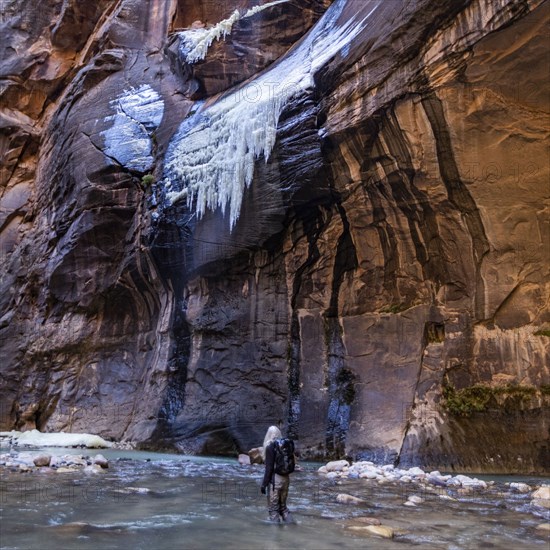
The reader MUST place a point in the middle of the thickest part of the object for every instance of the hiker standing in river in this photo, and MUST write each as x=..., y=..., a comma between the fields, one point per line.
x=278, y=455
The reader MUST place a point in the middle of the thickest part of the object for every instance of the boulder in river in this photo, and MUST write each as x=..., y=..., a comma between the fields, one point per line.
x=378, y=530
x=520, y=487
x=255, y=455
x=100, y=460
x=244, y=460
x=43, y=459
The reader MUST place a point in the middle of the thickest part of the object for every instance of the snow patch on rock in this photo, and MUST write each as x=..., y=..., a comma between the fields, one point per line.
x=138, y=113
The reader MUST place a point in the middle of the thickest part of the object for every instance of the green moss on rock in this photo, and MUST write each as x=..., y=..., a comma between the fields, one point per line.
x=148, y=179
x=481, y=398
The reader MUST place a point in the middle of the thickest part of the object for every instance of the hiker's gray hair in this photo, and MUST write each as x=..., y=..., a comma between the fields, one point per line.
x=272, y=434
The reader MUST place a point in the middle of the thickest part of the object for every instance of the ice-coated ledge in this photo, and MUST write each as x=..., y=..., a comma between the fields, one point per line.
x=138, y=113
x=195, y=42
x=34, y=438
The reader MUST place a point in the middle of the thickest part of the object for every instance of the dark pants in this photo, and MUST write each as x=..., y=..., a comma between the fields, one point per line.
x=276, y=498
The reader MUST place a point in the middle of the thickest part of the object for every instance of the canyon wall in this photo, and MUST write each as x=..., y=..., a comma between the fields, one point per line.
x=384, y=291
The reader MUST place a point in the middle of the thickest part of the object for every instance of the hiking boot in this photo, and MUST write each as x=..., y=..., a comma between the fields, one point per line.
x=287, y=518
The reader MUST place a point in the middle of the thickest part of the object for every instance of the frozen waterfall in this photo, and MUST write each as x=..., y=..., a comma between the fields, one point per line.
x=210, y=160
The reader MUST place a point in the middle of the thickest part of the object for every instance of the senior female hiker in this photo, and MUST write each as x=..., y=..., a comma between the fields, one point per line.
x=278, y=455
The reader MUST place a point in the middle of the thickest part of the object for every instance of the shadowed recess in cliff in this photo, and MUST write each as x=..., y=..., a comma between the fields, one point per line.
x=211, y=163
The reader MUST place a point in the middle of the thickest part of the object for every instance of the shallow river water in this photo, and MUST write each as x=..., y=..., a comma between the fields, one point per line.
x=154, y=501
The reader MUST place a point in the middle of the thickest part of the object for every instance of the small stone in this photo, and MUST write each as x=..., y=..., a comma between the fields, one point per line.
x=322, y=470
x=93, y=469
x=255, y=455
x=437, y=480
x=337, y=465
x=410, y=504
x=244, y=460
x=333, y=475
x=380, y=531
x=65, y=470
x=344, y=498
x=42, y=459
x=542, y=492
x=543, y=527
x=100, y=460
x=369, y=474
x=76, y=461
x=416, y=499
x=453, y=482
x=541, y=503
x=139, y=490
x=521, y=487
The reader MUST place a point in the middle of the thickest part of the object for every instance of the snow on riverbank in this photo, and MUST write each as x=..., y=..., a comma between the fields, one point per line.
x=35, y=438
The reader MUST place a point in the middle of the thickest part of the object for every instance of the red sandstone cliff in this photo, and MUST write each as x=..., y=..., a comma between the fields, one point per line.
x=393, y=251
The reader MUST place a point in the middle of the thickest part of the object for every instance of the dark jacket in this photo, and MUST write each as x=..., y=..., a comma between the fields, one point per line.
x=269, y=464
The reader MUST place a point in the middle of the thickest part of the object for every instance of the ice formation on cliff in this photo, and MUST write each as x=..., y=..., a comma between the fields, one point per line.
x=210, y=161
x=138, y=112
x=195, y=42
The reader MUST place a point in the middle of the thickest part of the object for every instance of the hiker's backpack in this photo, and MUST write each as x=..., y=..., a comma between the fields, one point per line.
x=284, y=456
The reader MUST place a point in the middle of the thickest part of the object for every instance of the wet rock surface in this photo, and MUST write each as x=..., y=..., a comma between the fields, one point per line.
x=393, y=250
